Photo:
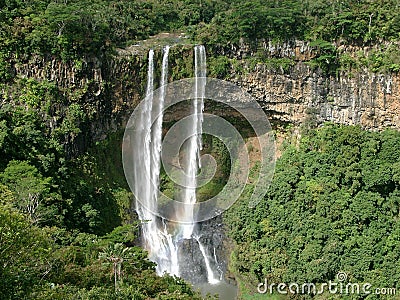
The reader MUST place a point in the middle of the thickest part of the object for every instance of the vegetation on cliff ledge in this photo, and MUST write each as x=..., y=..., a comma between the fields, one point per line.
x=66, y=230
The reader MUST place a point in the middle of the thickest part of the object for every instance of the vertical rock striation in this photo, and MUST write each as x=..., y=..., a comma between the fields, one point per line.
x=109, y=88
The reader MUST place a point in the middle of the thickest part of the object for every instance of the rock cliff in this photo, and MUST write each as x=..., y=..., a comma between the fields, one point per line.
x=109, y=88
x=362, y=97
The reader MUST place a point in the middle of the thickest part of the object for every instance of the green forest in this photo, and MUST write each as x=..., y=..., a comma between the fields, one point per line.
x=333, y=205
x=67, y=227
x=70, y=29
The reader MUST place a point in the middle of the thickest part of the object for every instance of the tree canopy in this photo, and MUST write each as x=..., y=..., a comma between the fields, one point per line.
x=333, y=206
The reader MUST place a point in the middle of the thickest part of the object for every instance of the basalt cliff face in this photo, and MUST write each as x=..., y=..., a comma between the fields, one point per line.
x=350, y=97
x=109, y=88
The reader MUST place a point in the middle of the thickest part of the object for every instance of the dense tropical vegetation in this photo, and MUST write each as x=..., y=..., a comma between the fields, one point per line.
x=332, y=207
x=61, y=221
x=72, y=28
x=66, y=225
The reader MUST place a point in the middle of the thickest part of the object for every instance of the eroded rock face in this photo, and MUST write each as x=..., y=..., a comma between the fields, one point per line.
x=368, y=99
x=300, y=92
x=109, y=88
x=192, y=266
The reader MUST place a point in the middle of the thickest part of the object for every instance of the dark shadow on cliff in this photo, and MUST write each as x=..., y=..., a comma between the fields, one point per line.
x=100, y=195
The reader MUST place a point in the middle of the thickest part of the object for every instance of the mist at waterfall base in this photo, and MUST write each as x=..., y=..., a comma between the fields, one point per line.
x=176, y=247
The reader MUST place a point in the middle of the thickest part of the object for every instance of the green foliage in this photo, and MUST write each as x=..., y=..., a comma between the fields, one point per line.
x=5, y=68
x=218, y=67
x=326, y=58
x=354, y=21
x=25, y=251
x=79, y=267
x=333, y=201
x=31, y=190
x=116, y=255
x=74, y=29
x=279, y=64
x=332, y=206
x=217, y=149
x=345, y=22
x=83, y=199
x=74, y=116
x=386, y=59
x=101, y=197
x=36, y=137
x=181, y=63
x=253, y=20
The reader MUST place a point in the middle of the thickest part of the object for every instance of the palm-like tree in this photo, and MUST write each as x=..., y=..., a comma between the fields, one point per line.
x=115, y=255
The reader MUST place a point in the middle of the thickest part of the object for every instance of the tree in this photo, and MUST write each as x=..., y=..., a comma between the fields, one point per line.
x=29, y=188
x=333, y=206
x=24, y=251
x=115, y=255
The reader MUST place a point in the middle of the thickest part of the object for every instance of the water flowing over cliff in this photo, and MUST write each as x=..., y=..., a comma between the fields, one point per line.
x=108, y=89
x=171, y=244
x=147, y=147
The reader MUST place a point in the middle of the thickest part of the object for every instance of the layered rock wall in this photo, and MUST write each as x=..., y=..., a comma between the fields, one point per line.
x=109, y=88
x=350, y=97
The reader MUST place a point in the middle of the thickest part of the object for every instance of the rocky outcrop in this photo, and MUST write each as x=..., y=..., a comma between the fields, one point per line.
x=110, y=87
x=192, y=263
x=301, y=92
x=368, y=99
x=107, y=88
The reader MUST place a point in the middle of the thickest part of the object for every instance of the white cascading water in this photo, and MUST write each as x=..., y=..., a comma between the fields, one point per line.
x=195, y=146
x=210, y=274
x=162, y=239
x=142, y=166
x=157, y=241
x=192, y=163
x=221, y=273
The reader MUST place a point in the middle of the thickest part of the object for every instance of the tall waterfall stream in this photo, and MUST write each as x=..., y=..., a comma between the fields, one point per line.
x=169, y=243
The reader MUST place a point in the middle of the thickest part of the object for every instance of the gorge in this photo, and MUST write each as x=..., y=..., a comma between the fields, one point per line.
x=175, y=150
x=109, y=89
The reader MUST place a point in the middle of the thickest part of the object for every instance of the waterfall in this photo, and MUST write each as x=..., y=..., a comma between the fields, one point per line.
x=193, y=155
x=210, y=274
x=221, y=273
x=157, y=241
x=193, y=152
x=161, y=238
x=142, y=168
x=156, y=132
x=164, y=251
